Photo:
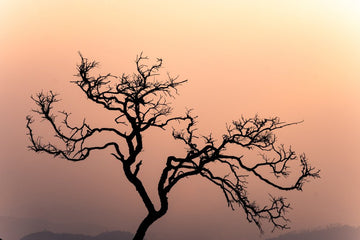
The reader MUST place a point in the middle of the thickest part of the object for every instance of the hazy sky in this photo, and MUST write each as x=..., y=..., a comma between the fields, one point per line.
x=298, y=60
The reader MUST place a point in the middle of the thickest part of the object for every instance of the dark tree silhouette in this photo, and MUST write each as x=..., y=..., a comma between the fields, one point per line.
x=141, y=103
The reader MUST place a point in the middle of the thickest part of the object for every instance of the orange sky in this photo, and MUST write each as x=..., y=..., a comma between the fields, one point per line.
x=294, y=59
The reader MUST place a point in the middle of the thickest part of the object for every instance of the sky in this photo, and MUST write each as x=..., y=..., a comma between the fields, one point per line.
x=297, y=60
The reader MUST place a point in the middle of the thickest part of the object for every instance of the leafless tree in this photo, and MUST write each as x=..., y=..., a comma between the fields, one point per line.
x=141, y=103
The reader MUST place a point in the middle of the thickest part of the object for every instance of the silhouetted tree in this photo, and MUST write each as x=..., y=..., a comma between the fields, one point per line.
x=141, y=102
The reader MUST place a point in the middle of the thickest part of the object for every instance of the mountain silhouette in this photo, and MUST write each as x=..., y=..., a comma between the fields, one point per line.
x=329, y=233
x=47, y=235
x=13, y=228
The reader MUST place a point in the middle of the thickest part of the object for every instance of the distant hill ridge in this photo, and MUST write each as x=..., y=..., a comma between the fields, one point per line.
x=13, y=228
x=337, y=232
x=47, y=235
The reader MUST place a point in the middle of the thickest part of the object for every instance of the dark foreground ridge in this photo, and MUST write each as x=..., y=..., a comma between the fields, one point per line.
x=47, y=235
x=329, y=233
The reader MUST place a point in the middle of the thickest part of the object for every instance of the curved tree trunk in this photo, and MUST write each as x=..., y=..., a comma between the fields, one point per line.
x=145, y=224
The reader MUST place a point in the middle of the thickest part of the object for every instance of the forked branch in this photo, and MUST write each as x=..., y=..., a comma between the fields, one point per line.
x=253, y=133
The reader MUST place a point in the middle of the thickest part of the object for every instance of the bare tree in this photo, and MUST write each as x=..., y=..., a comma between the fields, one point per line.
x=141, y=103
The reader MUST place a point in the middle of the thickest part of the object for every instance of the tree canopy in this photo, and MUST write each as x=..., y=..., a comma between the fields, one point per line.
x=141, y=102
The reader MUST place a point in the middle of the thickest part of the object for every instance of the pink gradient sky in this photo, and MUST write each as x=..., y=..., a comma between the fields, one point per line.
x=298, y=60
